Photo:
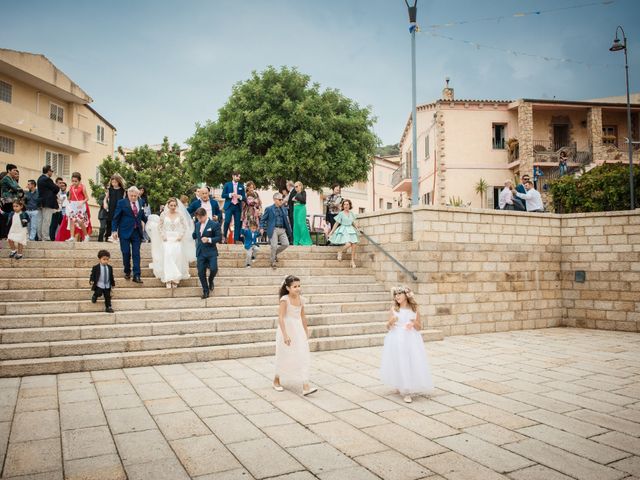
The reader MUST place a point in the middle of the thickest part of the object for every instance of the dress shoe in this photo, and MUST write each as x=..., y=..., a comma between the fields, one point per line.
x=109, y=310
x=210, y=283
x=137, y=280
x=127, y=276
x=204, y=295
x=94, y=299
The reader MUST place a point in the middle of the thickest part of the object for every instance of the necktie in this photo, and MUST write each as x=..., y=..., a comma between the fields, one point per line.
x=134, y=208
x=234, y=200
x=105, y=276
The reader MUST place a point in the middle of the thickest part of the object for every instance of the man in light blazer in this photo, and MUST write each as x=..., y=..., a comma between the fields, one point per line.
x=127, y=227
x=234, y=194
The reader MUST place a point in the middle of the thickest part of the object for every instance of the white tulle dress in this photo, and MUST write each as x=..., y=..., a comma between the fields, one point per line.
x=172, y=247
x=405, y=366
x=292, y=361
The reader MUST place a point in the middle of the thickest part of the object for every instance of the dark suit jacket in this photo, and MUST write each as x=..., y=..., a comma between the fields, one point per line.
x=227, y=190
x=212, y=231
x=197, y=203
x=95, y=276
x=268, y=220
x=47, y=189
x=123, y=220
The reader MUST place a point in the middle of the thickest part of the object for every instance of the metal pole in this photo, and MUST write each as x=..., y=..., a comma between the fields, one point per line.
x=414, y=117
x=629, y=133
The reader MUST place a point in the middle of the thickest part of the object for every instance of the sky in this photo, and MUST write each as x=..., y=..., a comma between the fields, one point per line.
x=155, y=68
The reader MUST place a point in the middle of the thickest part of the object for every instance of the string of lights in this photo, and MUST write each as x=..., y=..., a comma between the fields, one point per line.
x=519, y=14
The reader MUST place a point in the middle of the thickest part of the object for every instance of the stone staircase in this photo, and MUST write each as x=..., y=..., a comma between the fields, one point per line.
x=49, y=325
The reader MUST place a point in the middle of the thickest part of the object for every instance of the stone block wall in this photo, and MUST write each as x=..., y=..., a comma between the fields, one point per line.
x=486, y=270
x=606, y=246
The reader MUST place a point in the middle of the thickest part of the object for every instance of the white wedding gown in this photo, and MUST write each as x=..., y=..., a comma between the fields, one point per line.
x=172, y=247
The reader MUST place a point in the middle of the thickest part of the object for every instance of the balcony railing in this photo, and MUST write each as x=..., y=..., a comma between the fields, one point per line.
x=499, y=144
x=401, y=173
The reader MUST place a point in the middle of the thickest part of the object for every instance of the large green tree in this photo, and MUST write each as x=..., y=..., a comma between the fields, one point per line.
x=277, y=125
x=159, y=171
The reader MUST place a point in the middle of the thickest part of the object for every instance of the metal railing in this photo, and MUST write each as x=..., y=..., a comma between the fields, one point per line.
x=401, y=173
x=391, y=257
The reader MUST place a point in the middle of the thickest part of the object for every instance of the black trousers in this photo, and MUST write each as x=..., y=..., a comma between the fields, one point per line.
x=205, y=262
x=99, y=292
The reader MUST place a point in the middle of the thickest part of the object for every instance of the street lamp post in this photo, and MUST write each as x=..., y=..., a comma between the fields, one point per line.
x=414, y=155
x=616, y=47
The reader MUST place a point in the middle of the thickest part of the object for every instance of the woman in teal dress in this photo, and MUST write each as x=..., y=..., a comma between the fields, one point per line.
x=344, y=231
x=301, y=234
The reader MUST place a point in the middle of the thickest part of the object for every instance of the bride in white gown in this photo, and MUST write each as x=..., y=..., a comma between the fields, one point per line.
x=172, y=247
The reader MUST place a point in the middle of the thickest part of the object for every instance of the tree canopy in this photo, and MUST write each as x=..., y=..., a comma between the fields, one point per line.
x=604, y=188
x=387, y=150
x=277, y=125
x=160, y=172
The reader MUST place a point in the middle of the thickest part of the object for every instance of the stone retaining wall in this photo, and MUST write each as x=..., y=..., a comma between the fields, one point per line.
x=486, y=270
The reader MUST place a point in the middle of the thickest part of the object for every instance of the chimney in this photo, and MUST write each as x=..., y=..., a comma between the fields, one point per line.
x=447, y=92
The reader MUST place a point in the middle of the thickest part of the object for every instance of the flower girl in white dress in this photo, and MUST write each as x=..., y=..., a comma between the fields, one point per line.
x=172, y=247
x=292, y=338
x=405, y=366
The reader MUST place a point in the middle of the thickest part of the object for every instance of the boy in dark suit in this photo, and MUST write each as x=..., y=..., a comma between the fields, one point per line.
x=102, y=280
x=206, y=234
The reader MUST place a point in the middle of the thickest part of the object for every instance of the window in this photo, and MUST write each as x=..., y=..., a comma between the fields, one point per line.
x=100, y=133
x=361, y=210
x=60, y=163
x=426, y=147
x=5, y=91
x=498, y=136
x=380, y=203
x=426, y=199
x=98, y=176
x=7, y=145
x=610, y=134
x=56, y=112
x=389, y=205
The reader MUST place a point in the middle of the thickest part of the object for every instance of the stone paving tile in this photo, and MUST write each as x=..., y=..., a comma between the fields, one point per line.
x=264, y=458
x=391, y=465
x=496, y=458
x=541, y=404
x=563, y=461
x=454, y=466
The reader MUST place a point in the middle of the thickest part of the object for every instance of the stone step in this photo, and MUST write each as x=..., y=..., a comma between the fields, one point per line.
x=83, y=332
x=163, y=342
x=150, y=304
x=225, y=278
x=187, y=288
x=293, y=252
x=102, y=361
x=146, y=272
x=237, y=261
x=208, y=311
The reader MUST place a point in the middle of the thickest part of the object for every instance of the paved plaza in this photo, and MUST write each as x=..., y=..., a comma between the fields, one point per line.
x=549, y=404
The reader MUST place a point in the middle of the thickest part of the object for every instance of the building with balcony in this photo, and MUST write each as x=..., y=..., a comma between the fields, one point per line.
x=463, y=141
x=45, y=118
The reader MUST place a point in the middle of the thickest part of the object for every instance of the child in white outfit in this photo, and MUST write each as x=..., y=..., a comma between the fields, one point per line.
x=405, y=366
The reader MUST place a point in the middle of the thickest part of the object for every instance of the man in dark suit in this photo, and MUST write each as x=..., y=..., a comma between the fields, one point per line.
x=102, y=280
x=127, y=227
x=206, y=234
x=48, y=192
x=275, y=220
x=234, y=194
x=207, y=202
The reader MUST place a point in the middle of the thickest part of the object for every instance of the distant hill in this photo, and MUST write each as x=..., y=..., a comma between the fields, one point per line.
x=388, y=150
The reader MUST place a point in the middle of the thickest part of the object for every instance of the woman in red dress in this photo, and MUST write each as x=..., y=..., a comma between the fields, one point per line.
x=78, y=215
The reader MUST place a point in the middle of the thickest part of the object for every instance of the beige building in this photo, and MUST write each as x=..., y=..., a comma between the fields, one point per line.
x=461, y=142
x=45, y=118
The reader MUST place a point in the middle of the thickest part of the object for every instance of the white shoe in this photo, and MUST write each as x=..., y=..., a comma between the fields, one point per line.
x=86, y=239
x=70, y=239
x=407, y=399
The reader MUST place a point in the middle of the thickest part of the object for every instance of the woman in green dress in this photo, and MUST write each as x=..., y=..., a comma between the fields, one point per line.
x=301, y=234
x=344, y=231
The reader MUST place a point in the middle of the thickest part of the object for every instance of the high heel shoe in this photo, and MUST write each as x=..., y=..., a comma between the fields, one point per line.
x=353, y=264
x=168, y=284
x=339, y=256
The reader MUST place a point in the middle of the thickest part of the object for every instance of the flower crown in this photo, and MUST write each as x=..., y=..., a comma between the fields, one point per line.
x=284, y=281
x=406, y=290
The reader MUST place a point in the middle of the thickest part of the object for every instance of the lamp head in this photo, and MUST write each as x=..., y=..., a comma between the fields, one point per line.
x=617, y=45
